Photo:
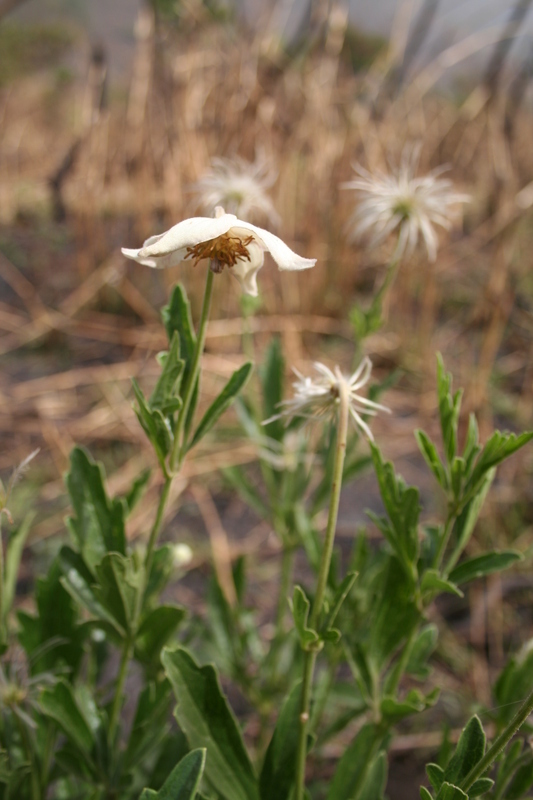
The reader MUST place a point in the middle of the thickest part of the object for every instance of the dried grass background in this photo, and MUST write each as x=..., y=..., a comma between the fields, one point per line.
x=83, y=173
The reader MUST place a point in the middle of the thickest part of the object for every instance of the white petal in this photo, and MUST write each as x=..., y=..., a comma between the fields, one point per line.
x=284, y=257
x=159, y=262
x=246, y=271
x=187, y=234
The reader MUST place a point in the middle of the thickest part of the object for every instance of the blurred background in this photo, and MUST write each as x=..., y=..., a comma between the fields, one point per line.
x=112, y=110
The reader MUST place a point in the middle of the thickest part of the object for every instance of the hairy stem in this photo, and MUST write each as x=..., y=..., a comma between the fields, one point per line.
x=325, y=564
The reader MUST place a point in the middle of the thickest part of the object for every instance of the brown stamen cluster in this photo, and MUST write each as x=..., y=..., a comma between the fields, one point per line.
x=223, y=251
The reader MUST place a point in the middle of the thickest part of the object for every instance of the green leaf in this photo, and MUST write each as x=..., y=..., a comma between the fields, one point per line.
x=53, y=637
x=164, y=397
x=433, y=584
x=183, y=781
x=499, y=447
x=353, y=768
x=60, y=705
x=512, y=685
x=469, y=751
x=435, y=775
x=118, y=582
x=154, y=424
x=449, y=792
x=132, y=497
x=403, y=509
x=221, y=403
x=150, y=723
x=207, y=720
x=421, y=650
x=424, y=794
x=177, y=319
x=162, y=569
x=449, y=408
x=429, y=451
x=15, y=546
x=272, y=376
x=277, y=775
x=521, y=782
x=300, y=607
x=376, y=779
x=483, y=785
x=156, y=629
x=468, y=517
x=393, y=614
x=486, y=564
x=79, y=582
x=98, y=522
x=341, y=593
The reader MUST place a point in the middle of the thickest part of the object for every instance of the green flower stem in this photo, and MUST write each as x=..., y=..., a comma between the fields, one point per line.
x=1, y=582
x=156, y=528
x=176, y=457
x=325, y=563
x=127, y=653
x=499, y=743
x=175, y=461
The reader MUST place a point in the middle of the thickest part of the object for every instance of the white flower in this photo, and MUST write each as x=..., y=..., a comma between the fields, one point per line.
x=320, y=396
x=401, y=200
x=226, y=241
x=239, y=186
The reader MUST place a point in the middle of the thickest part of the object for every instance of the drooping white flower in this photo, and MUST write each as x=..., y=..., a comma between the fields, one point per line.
x=400, y=201
x=239, y=186
x=226, y=241
x=320, y=396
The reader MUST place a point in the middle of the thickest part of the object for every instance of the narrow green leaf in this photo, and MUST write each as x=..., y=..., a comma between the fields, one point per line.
x=500, y=446
x=98, y=522
x=60, y=705
x=118, y=582
x=177, y=319
x=483, y=785
x=429, y=451
x=222, y=402
x=341, y=593
x=486, y=564
x=79, y=583
x=183, y=781
x=520, y=784
x=149, y=724
x=433, y=583
x=154, y=424
x=165, y=394
x=435, y=775
x=156, y=629
x=277, y=775
x=300, y=607
x=449, y=792
x=376, y=779
x=422, y=649
x=52, y=638
x=132, y=497
x=466, y=521
x=15, y=546
x=425, y=794
x=353, y=767
x=469, y=751
x=207, y=720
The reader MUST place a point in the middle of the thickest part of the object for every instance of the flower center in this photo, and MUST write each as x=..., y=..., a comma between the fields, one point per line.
x=223, y=251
